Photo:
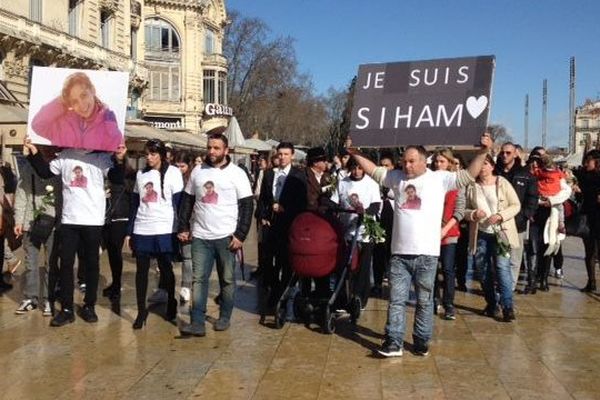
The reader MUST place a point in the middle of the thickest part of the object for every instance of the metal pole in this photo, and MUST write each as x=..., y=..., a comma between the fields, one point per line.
x=544, y=113
x=572, y=142
x=526, y=127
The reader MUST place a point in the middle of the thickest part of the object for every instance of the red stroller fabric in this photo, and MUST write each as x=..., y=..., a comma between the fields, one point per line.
x=314, y=246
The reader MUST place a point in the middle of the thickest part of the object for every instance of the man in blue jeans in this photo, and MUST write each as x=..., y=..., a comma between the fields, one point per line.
x=220, y=197
x=419, y=201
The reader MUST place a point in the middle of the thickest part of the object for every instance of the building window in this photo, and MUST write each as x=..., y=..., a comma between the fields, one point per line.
x=35, y=10
x=161, y=39
x=222, y=88
x=209, y=86
x=162, y=54
x=209, y=42
x=215, y=87
x=106, y=22
x=2, y=57
x=74, y=16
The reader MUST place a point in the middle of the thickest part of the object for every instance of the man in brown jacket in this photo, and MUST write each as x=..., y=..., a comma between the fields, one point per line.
x=317, y=180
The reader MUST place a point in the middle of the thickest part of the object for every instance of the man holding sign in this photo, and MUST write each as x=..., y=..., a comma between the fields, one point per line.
x=419, y=201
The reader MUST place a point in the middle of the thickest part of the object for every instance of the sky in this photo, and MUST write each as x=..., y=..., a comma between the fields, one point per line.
x=532, y=41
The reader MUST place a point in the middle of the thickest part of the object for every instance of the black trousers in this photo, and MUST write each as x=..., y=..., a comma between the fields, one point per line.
x=142, y=261
x=277, y=274
x=71, y=238
x=114, y=237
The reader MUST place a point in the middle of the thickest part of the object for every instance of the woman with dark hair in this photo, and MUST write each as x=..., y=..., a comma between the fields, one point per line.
x=589, y=183
x=151, y=226
x=492, y=205
x=185, y=162
x=454, y=212
x=118, y=200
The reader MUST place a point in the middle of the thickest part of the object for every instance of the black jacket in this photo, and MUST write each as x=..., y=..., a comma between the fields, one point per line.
x=525, y=184
x=292, y=198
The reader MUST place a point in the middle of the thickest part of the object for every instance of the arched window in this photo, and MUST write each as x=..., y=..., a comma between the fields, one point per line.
x=162, y=45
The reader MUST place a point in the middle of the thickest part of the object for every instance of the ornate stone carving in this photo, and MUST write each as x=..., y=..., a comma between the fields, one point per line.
x=16, y=68
x=111, y=6
x=136, y=14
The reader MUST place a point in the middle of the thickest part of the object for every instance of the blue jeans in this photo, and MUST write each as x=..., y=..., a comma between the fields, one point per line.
x=447, y=255
x=204, y=255
x=493, y=266
x=403, y=270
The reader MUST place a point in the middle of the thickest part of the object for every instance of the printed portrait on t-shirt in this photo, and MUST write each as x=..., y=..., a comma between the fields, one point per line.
x=410, y=199
x=210, y=195
x=354, y=201
x=150, y=195
x=78, y=179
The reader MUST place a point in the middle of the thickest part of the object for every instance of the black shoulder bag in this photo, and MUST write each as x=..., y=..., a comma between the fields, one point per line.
x=43, y=225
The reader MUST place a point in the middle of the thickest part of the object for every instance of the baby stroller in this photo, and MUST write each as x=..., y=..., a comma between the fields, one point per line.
x=318, y=252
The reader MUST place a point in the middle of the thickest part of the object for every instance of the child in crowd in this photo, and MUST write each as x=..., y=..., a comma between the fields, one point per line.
x=549, y=177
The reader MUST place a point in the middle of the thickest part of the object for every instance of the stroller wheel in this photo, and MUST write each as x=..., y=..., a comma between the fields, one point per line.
x=355, y=306
x=328, y=321
x=280, y=314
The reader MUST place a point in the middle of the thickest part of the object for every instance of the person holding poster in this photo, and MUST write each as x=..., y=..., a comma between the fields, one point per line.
x=82, y=219
x=415, y=246
x=77, y=118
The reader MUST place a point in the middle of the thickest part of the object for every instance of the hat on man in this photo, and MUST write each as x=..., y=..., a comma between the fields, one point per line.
x=315, y=154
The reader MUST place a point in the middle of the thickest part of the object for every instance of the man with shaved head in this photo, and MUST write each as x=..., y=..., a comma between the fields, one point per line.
x=416, y=237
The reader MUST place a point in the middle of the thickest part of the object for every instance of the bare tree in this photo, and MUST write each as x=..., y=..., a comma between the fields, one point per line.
x=499, y=133
x=265, y=89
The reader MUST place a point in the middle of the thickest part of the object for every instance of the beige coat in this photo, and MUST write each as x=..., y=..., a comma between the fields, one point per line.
x=508, y=207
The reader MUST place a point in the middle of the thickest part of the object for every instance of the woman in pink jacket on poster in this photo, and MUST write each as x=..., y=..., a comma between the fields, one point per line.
x=77, y=118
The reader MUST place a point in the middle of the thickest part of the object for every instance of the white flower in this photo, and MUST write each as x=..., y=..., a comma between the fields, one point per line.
x=49, y=188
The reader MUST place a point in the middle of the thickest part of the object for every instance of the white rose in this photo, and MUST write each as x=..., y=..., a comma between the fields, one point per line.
x=49, y=188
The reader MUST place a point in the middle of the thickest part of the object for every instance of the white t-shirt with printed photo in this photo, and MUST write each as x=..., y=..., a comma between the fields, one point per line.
x=155, y=214
x=82, y=174
x=418, y=210
x=217, y=191
x=350, y=195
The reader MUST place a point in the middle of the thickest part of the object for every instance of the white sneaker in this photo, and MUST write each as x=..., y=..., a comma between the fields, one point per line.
x=159, y=296
x=47, y=311
x=25, y=306
x=185, y=294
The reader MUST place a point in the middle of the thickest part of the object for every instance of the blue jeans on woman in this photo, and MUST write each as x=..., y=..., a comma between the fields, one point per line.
x=403, y=270
x=447, y=257
x=204, y=255
x=493, y=265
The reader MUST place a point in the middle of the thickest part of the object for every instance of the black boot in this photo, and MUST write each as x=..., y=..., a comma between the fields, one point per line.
x=140, y=320
x=590, y=287
x=171, y=310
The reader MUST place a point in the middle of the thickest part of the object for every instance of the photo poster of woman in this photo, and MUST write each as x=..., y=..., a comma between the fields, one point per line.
x=78, y=108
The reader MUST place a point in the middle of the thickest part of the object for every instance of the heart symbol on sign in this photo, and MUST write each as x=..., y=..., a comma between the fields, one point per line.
x=475, y=106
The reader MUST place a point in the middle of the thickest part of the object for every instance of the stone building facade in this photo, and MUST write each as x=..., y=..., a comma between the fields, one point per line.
x=587, y=124
x=167, y=46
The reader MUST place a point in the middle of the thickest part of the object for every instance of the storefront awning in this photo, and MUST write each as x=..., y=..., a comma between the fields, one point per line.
x=257, y=145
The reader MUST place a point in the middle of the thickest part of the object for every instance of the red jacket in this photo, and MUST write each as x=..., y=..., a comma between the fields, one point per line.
x=449, y=206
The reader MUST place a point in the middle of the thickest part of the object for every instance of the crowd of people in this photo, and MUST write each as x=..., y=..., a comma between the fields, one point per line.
x=501, y=215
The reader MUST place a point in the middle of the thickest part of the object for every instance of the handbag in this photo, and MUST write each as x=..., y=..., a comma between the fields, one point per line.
x=576, y=224
x=42, y=226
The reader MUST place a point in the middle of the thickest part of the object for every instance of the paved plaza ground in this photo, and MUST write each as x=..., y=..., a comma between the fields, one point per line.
x=552, y=351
